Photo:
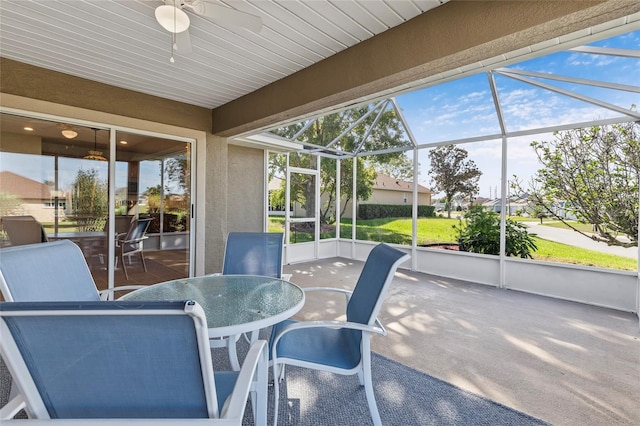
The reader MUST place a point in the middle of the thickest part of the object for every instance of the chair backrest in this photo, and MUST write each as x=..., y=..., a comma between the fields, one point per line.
x=137, y=229
x=253, y=253
x=122, y=223
x=131, y=242
x=54, y=271
x=110, y=359
x=23, y=230
x=373, y=283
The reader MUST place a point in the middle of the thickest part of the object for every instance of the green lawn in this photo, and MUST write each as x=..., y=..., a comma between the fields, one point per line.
x=440, y=230
x=49, y=227
x=524, y=219
x=563, y=253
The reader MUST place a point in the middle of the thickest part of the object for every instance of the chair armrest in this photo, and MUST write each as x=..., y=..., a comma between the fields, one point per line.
x=253, y=376
x=332, y=324
x=108, y=294
x=12, y=408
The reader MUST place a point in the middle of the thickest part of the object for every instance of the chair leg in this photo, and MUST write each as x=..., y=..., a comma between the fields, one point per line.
x=368, y=388
x=124, y=266
x=276, y=392
x=144, y=264
x=260, y=400
x=233, y=353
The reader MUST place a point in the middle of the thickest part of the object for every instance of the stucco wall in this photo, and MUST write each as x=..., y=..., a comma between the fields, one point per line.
x=245, y=189
x=234, y=196
x=215, y=208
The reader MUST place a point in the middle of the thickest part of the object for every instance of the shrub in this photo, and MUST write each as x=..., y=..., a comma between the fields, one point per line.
x=480, y=233
x=381, y=211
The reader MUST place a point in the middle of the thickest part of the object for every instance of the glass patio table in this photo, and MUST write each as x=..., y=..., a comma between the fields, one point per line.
x=233, y=304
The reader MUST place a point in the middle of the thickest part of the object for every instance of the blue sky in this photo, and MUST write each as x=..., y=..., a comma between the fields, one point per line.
x=464, y=108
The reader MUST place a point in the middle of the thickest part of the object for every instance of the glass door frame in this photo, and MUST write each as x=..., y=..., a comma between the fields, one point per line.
x=288, y=221
x=113, y=129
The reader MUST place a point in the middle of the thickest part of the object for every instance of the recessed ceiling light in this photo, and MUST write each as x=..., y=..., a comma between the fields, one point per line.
x=28, y=129
x=123, y=142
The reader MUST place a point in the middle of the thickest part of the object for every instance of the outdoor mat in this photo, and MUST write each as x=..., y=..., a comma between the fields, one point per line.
x=405, y=397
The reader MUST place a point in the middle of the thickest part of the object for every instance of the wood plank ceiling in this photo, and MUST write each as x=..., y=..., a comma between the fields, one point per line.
x=120, y=42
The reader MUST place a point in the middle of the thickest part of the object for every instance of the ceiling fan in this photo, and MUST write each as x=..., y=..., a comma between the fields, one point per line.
x=172, y=17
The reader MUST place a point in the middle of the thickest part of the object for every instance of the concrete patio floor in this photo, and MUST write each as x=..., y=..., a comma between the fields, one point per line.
x=562, y=362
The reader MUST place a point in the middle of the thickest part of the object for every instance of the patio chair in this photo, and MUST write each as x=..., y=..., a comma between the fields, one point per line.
x=124, y=360
x=341, y=347
x=132, y=242
x=252, y=253
x=23, y=230
x=56, y=271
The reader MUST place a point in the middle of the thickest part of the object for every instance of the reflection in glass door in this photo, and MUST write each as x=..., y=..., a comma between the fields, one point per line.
x=152, y=208
x=56, y=176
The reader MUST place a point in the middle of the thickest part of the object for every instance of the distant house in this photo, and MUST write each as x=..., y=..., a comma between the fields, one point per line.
x=563, y=209
x=515, y=206
x=35, y=198
x=388, y=190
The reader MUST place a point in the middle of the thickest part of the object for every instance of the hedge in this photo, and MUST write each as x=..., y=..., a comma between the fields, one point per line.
x=377, y=211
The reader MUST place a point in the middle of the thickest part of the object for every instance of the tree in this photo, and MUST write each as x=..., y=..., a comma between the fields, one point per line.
x=400, y=168
x=594, y=172
x=179, y=172
x=90, y=200
x=153, y=193
x=453, y=174
x=385, y=134
x=9, y=204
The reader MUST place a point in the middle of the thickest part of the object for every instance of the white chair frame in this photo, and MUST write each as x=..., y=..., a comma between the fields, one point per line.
x=363, y=369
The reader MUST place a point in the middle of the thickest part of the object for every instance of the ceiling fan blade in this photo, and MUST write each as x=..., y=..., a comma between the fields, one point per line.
x=226, y=14
x=183, y=43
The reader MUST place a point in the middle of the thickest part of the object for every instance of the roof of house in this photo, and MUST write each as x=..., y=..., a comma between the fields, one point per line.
x=23, y=187
x=385, y=182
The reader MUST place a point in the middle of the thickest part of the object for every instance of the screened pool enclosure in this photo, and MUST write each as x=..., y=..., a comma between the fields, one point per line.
x=496, y=114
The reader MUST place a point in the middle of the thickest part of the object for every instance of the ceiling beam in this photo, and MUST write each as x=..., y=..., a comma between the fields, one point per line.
x=451, y=36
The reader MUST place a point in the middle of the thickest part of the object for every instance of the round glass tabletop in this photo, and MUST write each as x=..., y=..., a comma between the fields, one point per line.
x=233, y=304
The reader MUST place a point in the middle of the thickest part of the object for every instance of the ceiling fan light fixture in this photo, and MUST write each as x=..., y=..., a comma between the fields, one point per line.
x=172, y=19
x=69, y=132
x=94, y=154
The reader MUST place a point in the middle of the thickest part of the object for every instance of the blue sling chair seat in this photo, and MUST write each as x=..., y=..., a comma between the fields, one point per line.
x=124, y=361
x=341, y=347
